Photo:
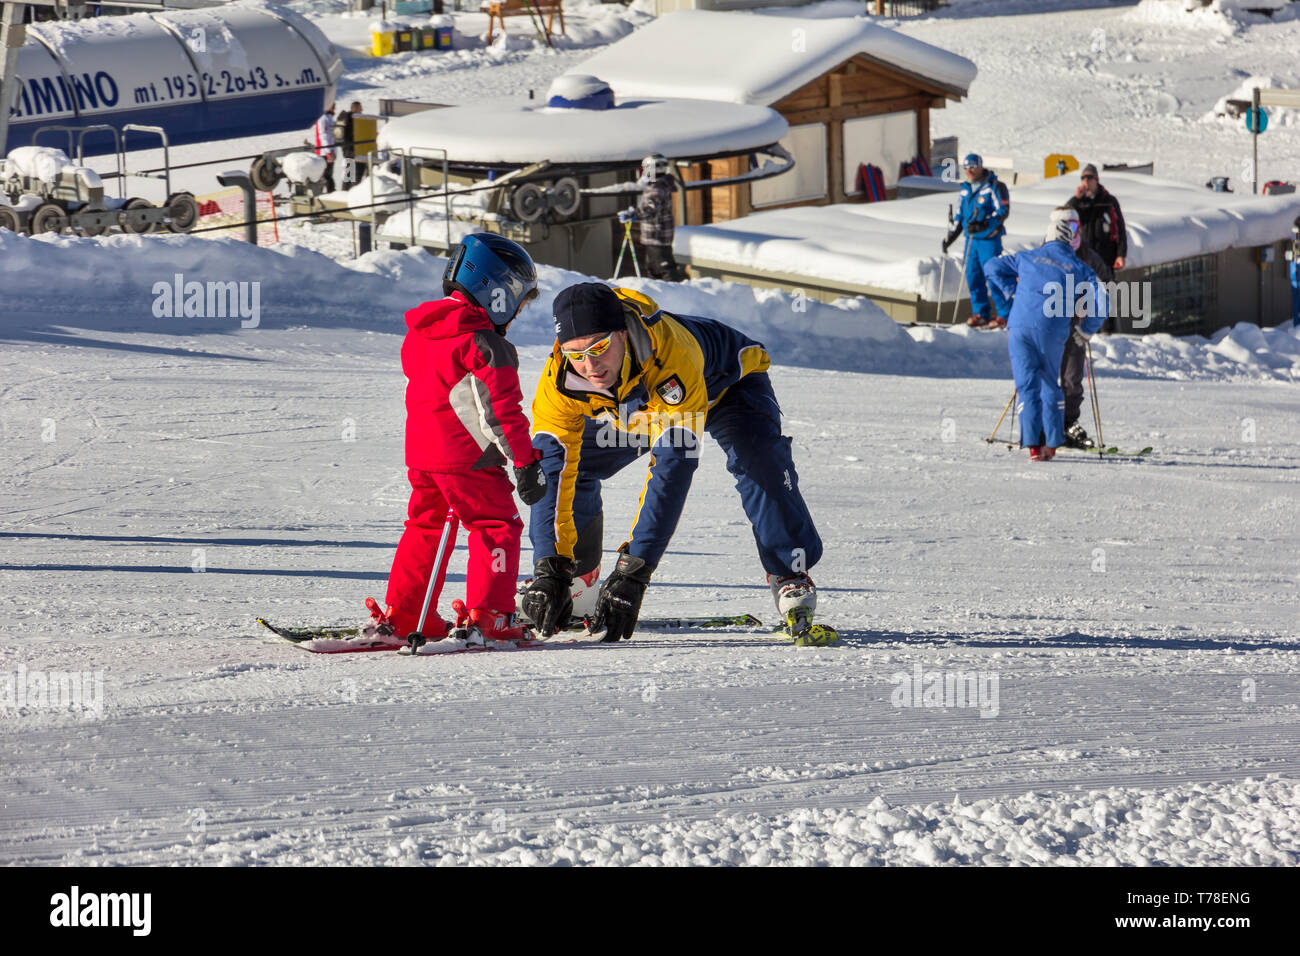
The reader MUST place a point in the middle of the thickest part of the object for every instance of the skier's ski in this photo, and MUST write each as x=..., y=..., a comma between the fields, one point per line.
x=1110, y=450
x=332, y=640
x=461, y=641
x=351, y=640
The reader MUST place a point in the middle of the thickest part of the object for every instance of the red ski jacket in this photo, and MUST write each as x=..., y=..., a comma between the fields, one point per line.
x=463, y=401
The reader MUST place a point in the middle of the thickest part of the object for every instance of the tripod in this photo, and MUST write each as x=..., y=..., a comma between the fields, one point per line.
x=627, y=244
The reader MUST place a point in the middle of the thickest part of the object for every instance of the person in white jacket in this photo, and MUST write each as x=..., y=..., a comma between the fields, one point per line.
x=325, y=143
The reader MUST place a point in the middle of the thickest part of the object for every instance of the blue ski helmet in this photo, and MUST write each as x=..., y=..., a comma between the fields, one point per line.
x=973, y=159
x=495, y=273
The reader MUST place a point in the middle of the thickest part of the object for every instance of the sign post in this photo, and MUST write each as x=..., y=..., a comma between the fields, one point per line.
x=12, y=35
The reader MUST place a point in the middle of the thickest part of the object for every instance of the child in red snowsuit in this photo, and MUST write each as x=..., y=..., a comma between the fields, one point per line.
x=464, y=421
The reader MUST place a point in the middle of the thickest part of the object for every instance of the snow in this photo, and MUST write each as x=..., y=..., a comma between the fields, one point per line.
x=766, y=57
x=588, y=23
x=303, y=167
x=37, y=162
x=527, y=133
x=168, y=479
x=1117, y=83
x=895, y=245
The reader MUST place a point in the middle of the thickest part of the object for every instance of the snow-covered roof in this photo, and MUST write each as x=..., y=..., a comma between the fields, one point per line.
x=895, y=245
x=529, y=132
x=752, y=58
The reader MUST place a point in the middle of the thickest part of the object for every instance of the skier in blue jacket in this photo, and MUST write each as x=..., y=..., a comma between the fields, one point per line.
x=1050, y=285
x=985, y=204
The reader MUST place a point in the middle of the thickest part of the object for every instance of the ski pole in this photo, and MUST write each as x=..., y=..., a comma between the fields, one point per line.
x=1096, y=405
x=437, y=574
x=1013, y=416
x=1006, y=408
x=961, y=280
x=943, y=266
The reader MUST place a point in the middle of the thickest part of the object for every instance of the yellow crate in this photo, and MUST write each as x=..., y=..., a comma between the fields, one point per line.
x=381, y=43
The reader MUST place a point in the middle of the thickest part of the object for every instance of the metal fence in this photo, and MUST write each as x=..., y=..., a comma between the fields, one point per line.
x=910, y=8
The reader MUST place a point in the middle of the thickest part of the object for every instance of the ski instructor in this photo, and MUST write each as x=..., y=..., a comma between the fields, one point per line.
x=625, y=378
x=1050, y=285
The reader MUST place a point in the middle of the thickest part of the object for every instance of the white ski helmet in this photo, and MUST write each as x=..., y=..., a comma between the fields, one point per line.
x=1064, y=226
x=654, y=166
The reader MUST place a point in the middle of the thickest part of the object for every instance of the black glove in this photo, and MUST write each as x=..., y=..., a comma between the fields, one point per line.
x=548, y=602
x=530, y=482
x=951, y=238
x=619, y=604
x=979, y=225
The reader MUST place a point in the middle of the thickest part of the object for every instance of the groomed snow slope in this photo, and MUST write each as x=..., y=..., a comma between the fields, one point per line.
x=1138, y=618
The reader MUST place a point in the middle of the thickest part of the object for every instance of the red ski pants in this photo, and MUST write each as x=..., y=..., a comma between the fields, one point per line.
x=484, y=502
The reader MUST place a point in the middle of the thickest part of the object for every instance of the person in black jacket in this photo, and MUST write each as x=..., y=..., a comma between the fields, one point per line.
x=346, y=137
x=1076, y=347
x=1101, y=222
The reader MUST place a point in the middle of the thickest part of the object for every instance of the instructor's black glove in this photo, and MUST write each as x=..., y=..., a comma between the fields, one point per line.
x=619, y=604
x=548, y=602
x=951, y=238
x=530, y=482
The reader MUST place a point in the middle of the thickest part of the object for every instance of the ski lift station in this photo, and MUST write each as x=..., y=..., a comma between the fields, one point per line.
x=803, y=103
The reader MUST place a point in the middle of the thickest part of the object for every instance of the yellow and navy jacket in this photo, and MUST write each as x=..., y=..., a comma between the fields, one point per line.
x=675, y=368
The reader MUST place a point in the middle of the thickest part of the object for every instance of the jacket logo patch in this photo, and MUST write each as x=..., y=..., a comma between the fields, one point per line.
x=671, y=391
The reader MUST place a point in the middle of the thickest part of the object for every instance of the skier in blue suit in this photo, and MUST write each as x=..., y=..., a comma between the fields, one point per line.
x=985, y=203
x=1050, y=285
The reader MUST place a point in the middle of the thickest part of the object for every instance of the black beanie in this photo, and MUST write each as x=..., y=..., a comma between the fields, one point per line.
x=588, y=308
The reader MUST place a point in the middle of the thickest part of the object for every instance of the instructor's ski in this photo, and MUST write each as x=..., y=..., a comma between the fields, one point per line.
x=697, y=623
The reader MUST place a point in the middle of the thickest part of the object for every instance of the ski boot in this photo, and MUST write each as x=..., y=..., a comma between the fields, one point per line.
x=796, y=601
x=1042, y=453
x=1076, y=437
x=977, y=322
x=479, y=626
x=383, y=628
x=997, y=322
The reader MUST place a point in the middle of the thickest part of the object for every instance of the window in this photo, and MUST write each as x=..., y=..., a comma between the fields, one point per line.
x=807, y=144
x=885, y=141
x=1183, y=295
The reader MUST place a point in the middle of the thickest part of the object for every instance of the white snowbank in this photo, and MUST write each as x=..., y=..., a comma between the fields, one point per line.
x=107, y=283
x=1224, y=16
